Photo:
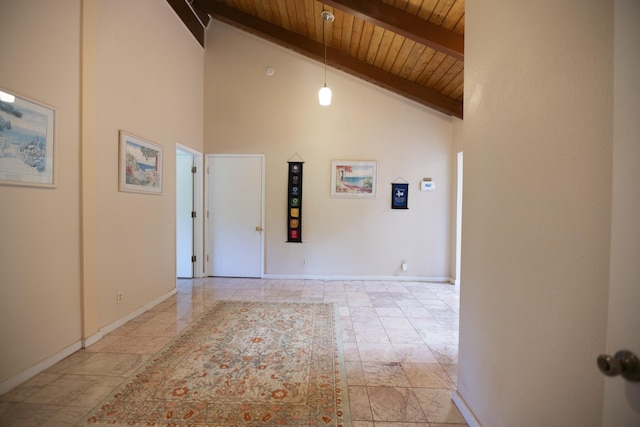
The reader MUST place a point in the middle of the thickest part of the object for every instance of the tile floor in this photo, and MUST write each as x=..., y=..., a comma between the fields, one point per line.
x=400, y=343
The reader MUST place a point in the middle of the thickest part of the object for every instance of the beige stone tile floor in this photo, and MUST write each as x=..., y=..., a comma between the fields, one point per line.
x=400, y=342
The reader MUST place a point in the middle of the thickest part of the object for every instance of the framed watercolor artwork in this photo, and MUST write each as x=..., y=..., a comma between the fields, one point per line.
x=355, y=179
x=140, y=165
x=26, y=141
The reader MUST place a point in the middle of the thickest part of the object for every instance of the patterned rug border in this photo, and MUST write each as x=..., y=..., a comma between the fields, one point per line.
x=337, y=331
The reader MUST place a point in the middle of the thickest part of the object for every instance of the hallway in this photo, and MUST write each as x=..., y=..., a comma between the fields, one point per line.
x=400, y=342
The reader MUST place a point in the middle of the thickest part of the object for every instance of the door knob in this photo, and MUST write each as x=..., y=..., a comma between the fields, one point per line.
x=258, y=228
x=609, y=365
x=624, y=363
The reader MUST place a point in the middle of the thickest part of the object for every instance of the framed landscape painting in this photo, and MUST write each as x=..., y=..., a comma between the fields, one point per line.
x=353, y=178
x=140, y=165
x=26, y=141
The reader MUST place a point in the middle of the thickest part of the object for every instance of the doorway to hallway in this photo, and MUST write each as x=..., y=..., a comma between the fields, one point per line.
x=459, y=217
x=188, y=213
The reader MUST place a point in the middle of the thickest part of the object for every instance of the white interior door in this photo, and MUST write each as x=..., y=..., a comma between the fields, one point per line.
x=184, y=219
x=622, y=398
x=235, y=214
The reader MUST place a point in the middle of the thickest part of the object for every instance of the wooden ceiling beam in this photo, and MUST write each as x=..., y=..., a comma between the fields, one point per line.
x=195, y=22
x=403, y=23
x=314, y=50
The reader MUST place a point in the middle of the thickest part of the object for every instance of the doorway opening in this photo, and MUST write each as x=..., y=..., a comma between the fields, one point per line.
x=189, y=218
x=459, y=218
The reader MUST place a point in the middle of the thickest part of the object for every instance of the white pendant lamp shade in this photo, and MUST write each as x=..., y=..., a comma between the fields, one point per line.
x=324, y=96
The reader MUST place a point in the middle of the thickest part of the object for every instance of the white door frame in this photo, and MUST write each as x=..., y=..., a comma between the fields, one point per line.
x=262, y=208
x=621, y=401
x=198, y=224
x=459, y=190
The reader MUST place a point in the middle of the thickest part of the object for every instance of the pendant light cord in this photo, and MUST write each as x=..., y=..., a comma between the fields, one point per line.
x=324, y=41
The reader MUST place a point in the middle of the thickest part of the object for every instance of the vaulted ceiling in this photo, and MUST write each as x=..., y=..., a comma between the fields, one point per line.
x=414, y=48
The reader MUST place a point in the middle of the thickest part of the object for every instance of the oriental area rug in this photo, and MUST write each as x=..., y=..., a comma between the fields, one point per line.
x=240, y=364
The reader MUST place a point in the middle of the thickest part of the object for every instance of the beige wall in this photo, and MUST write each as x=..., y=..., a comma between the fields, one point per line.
x=279, y=116
x=150, y=83
x=143, y=72
x=40, y=243
x=537, y=201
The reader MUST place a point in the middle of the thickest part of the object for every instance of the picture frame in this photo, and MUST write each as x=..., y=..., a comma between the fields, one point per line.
x=354, y=179
x=27, y=148
x=140, y=165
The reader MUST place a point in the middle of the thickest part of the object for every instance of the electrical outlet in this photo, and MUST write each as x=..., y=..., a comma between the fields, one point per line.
x=119, y=296
x=303, y=261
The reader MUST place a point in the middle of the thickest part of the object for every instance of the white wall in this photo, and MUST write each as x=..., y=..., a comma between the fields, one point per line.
x=248, y=112
x=537, y=200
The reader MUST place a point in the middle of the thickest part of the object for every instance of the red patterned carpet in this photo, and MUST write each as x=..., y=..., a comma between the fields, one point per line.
x=240, y=364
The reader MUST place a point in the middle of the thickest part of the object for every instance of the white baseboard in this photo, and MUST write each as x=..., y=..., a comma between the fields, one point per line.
x=464, y=409
x=115, y=325
x=25, y=375
x=438, y=279
x=89, y=341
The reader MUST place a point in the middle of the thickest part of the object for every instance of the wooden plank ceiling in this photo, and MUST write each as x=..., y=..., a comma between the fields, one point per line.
x=414, y=48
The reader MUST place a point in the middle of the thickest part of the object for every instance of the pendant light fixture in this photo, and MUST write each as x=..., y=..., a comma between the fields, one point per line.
x=324, y=95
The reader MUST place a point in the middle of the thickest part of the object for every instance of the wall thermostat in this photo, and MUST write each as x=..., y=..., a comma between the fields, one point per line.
x=427, y=184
